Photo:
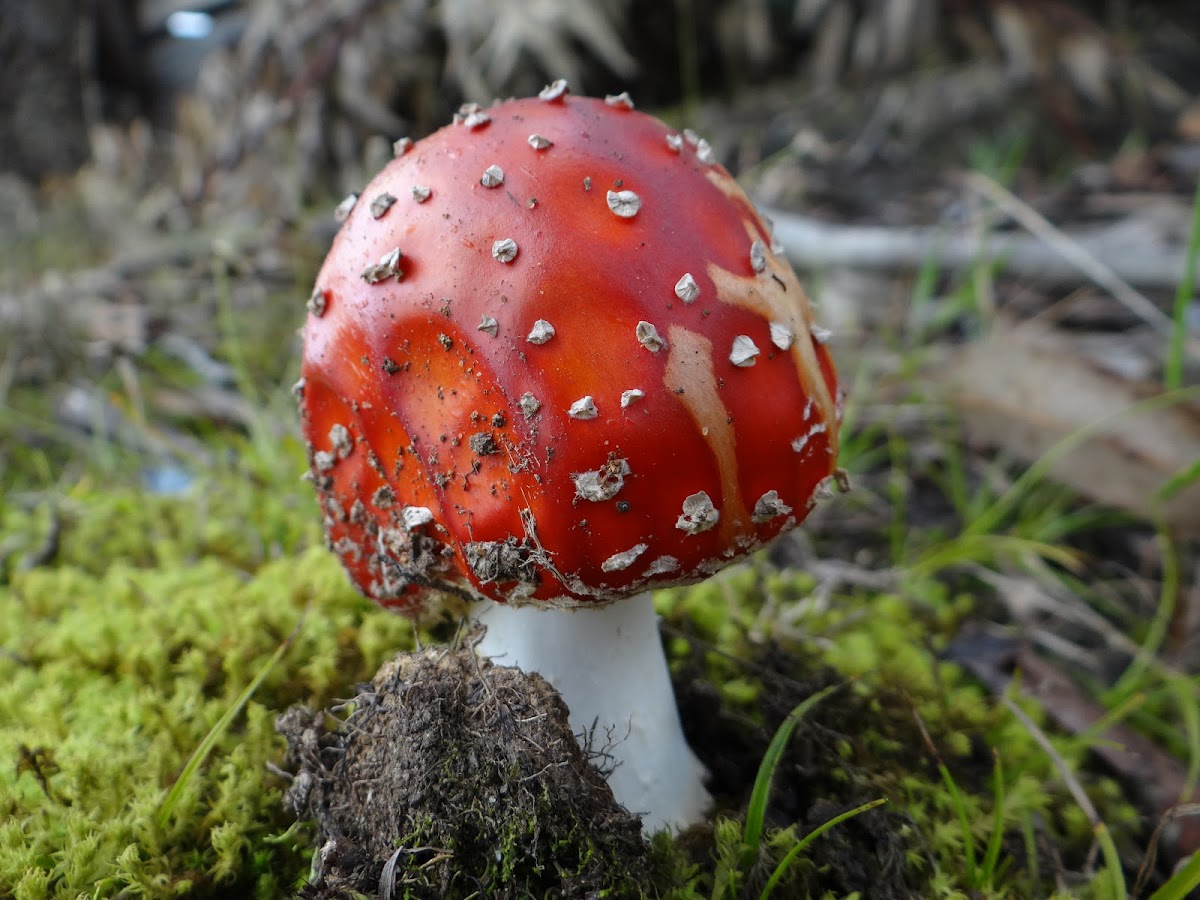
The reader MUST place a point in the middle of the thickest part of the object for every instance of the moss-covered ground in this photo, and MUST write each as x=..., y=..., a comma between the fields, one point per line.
x=134, y=761
x=124, y=653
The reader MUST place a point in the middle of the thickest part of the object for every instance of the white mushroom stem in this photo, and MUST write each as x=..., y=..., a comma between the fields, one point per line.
x=608, y=664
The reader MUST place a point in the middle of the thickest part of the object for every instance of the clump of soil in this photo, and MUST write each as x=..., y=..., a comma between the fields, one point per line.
x=454, y=777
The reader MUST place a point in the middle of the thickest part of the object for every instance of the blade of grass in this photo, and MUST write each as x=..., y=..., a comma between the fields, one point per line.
x=756, y=811
x=981, y=548
x=1180, y=481
x=1030, y=836
x=781, y=869
x=953, y=478
x=991, y=856
x=1151, y=857
x=864, y=377
x=1182, y=883
x=689, y=59
x=1069, y=249
x=1177, y=343
x=964, y=820
x=262, y=437
x=897, y=490
x=1184, y=692
x=922, y=296
x=1115, y=713
x=205, y=747
x=1112, y=860
x=1133, y=678
x=956, y=800
x=1108, y=849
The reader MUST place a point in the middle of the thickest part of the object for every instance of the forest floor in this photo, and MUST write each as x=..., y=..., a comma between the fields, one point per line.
x=1000, y=622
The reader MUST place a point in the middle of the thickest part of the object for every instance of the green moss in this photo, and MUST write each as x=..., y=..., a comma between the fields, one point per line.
x=120, y=656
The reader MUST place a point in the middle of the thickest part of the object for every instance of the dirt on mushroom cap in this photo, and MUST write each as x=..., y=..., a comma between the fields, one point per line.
x=401, y=362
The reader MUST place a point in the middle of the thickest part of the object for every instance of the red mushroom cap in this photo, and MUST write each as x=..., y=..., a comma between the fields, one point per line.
x=551, y=358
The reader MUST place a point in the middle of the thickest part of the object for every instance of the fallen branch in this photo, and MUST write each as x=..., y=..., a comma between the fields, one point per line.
x=1145, y=252
x=1071, y=251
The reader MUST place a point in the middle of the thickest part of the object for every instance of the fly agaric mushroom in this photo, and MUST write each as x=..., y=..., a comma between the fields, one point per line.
x=568, y=371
